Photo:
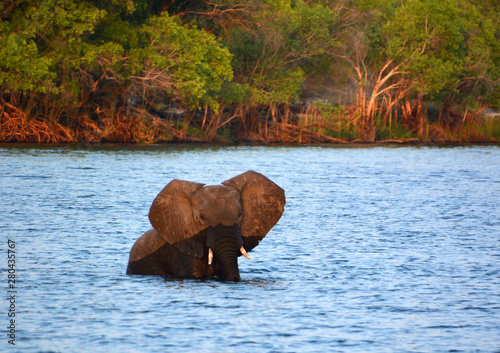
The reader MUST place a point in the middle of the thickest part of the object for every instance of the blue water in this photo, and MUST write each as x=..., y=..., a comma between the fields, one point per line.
x=381, y=249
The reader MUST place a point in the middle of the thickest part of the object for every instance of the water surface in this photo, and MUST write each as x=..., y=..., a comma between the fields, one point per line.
x=382, y=249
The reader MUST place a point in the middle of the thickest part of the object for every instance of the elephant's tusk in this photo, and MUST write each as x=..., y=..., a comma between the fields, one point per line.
x=210, y=256
x=242, y=249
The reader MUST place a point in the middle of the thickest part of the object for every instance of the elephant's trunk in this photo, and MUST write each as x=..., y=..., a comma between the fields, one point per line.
x=226, y=250
x=225, y=242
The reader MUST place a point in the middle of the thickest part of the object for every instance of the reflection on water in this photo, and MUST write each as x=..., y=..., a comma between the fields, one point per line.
x=379, y=249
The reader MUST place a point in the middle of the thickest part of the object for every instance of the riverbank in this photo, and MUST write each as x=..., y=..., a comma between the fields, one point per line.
x=255, y=72
x=302, y=125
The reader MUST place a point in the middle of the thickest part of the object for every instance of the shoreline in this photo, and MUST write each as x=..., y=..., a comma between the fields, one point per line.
x=191, y=144
x=309, y=127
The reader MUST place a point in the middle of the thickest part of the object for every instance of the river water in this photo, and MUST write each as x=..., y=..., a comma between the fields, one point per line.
x=380, y=249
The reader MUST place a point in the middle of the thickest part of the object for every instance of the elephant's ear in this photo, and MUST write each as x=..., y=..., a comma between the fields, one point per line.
x=263, y=204
x=171, y=214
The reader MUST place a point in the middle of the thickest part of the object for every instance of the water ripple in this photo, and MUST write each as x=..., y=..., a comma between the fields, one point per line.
x=379, y=250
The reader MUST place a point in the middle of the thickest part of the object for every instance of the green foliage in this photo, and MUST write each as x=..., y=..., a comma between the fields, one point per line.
x=427, y=38
x=193, y=60
x=42, y=43
x=443, y=48
x=86, y=56
x=237, y=93
x=395, y=131
x=345, y=130
x=275, y=44
x=329, y=109
x=65, y=46
x=22, y=68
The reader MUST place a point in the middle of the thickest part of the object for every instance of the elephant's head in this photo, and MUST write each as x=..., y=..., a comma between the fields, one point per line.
x=228, y=219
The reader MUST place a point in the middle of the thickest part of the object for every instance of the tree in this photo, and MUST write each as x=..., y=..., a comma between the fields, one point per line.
x=418, y=49
x=275, y=44
x=80, y=53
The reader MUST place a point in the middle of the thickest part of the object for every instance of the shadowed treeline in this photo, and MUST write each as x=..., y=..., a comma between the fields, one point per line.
x=262, y=71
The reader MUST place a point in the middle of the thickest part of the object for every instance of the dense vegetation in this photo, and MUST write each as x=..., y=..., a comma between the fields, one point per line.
x=249, y=70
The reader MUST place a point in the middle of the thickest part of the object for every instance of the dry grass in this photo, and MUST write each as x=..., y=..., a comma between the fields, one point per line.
x=308, y=125
x=15, y=126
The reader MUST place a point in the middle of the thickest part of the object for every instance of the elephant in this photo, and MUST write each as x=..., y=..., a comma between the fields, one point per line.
x=199, y=231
